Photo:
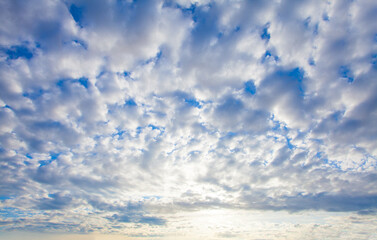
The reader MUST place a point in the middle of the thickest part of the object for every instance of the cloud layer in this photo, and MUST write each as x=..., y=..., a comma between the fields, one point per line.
x=121, y=113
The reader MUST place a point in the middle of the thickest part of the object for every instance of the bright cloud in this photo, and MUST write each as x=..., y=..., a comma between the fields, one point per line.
x=188, y=119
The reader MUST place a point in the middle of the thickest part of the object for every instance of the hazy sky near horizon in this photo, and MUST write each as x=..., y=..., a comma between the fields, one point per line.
x=188, y=119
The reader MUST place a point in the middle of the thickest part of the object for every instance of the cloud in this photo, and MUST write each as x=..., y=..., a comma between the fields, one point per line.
x=322, y=201
x=121, y=114
x=141, y=219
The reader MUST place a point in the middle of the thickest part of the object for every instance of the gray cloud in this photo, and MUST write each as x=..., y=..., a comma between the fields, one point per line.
x=125, y=112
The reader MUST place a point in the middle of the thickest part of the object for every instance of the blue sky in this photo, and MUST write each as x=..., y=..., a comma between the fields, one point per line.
x=188, y=119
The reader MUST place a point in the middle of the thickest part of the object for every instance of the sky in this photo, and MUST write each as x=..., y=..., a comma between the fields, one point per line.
x=188, y=119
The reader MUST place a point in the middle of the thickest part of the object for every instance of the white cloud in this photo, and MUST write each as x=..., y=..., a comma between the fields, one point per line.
x=139, y=115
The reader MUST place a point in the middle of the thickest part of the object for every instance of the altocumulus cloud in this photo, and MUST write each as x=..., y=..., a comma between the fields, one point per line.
x=119, y=114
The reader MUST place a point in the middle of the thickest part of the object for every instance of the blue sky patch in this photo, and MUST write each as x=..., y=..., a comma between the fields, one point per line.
x=159, y=128
x=64, y=83
x=19, y=52
x=3, y=197
x=44, y=162
x=265, y=35
x=192, y=102
x=374, y=59
x=289, y=144
x=118, y=133
x=153, y=127
x=296, y=75
x=187, y=12
x=60, y=83
x=151, y=197
x=250, y=87
x=190, y=10
x=130, y=103
x=267, y=55
x=77, y=14
x=53, y=157
x=346, y=73
x=84, y=81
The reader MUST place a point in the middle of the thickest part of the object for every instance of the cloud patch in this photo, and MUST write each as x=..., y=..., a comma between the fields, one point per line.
x=125, y=114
